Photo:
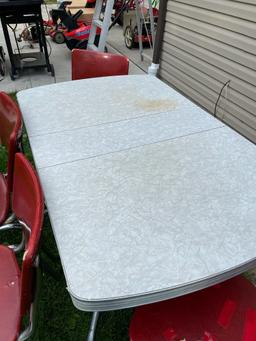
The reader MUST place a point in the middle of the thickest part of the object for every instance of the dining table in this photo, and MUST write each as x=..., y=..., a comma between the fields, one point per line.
x=150, y=197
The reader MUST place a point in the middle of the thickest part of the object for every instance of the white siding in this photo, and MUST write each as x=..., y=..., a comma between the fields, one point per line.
x=207, y=43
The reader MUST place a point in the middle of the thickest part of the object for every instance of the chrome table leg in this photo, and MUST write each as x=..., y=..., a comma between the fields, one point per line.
x=93, y=326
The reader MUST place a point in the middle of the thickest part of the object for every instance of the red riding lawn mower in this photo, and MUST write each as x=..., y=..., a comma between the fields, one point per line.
x=65, y=27
x=125, y=15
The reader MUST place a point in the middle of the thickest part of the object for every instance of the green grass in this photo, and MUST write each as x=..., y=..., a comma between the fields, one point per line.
x=58, y=319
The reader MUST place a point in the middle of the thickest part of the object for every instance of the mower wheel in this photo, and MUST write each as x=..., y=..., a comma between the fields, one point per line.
x=129, y=37
x=58, y=37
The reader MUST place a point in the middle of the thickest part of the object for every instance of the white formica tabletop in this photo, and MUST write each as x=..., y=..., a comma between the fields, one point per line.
x=149, y=196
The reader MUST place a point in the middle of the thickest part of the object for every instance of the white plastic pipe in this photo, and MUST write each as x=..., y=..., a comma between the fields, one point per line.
x=152, y=70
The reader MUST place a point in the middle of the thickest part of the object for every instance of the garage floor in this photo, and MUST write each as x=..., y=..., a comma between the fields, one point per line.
x=61, y=59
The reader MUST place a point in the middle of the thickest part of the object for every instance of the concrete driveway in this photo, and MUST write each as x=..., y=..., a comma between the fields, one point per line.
x=60, y=57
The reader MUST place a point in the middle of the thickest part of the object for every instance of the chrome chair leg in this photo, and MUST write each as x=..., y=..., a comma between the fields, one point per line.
x=93, y=326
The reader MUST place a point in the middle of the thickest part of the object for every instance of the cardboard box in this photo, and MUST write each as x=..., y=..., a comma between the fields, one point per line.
x=77, y=4
x=87, y=15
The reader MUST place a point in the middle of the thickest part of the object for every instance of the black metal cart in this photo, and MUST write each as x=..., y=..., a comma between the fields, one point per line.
x=25, y=12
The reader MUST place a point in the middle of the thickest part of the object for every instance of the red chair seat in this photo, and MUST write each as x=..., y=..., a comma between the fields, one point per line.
x=4, y=199
x=9, y=295
x=224, y=312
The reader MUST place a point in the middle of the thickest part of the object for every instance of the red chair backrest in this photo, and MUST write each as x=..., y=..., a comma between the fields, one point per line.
x=28, y=206
x=89, y=64
x=10, y=131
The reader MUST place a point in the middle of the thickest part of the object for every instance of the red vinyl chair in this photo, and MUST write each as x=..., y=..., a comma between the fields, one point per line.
x=90, y=64
x=224, y=312
x=10, y=133
x=18, y=286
